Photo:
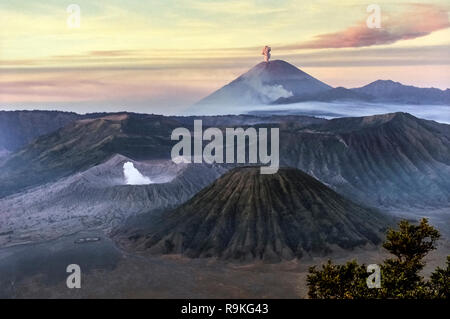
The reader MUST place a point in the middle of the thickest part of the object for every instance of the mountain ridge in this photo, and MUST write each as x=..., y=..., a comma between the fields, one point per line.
x=379, y=91
x=390, y=160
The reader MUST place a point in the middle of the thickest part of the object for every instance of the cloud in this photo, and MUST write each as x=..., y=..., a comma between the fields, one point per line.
x=418, y=21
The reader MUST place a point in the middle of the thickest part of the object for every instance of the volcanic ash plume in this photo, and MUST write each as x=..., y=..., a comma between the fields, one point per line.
x=266, y=52
x=133, y=176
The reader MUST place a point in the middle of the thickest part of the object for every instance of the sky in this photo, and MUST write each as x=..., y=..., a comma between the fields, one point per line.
x=163, y=56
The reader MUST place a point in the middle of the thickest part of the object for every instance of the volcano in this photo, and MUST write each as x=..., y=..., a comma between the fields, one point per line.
x=245, y=216
x=265, y=83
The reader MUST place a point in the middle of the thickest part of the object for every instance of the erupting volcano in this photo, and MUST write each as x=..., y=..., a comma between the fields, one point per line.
x=264, y=83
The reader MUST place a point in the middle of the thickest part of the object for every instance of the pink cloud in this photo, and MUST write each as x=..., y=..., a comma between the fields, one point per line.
x=418, y=21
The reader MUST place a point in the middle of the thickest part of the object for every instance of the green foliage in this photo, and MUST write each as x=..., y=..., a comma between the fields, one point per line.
x=440, y=281
x=411, y=242
x=400, y=276
x=338, y=281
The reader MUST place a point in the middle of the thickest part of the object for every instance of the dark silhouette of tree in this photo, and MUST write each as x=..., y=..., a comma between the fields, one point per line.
x=400, y=276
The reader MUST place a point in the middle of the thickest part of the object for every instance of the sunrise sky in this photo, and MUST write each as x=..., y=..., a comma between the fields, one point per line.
x=162, y=56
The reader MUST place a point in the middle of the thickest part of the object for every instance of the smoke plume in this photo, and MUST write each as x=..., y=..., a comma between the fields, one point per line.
x=133, y=176
x=266, y=52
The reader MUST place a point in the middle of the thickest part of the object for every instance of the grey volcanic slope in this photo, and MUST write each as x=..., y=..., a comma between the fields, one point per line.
x=99, y=198
x=264, y=83
x=245, y=215
x=390, y=160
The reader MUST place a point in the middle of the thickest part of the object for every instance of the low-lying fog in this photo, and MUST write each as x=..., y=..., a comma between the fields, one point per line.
x=439, y=113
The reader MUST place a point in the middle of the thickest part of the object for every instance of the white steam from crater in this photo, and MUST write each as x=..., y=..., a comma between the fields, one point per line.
x=274, y=92
x=269, y=93
x=133, y=176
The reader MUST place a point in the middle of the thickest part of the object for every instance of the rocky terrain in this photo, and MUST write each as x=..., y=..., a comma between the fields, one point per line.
x=72, y=179
x=83, y=144
x=98, y=198
x=390, y=161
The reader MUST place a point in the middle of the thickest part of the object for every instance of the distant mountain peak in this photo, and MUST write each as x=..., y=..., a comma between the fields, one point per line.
x=263, y=84
x=396, y=92
x=386, y=83
x=379, y=91
x=273, y=69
